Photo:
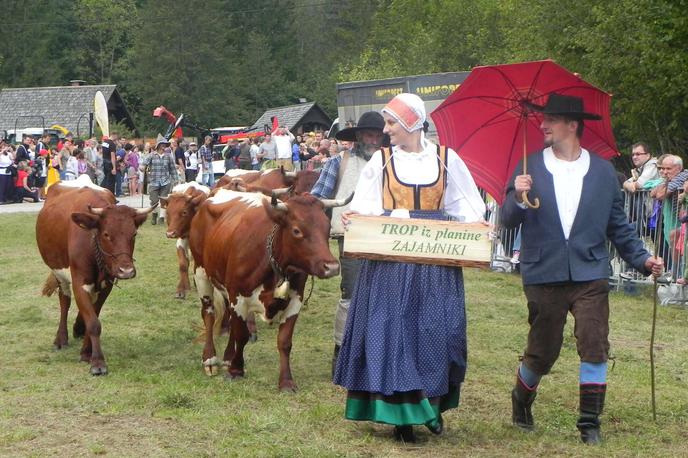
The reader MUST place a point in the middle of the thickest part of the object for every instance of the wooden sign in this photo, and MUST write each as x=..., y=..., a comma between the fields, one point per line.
x=420, y=241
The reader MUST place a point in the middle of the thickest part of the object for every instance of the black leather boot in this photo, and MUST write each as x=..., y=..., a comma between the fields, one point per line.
x=335, y=355
x=405, y=434
x=591, y=405
x=522, y=398
x=154, y=219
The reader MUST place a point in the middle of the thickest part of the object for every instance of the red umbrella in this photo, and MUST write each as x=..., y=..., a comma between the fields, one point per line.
x=486, y=118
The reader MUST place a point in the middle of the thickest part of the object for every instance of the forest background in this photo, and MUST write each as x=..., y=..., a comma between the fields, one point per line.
x=225, y=61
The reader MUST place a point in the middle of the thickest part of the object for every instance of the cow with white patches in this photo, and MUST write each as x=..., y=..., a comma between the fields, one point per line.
x=88, y=242
x=257, y=253
x=181, y=206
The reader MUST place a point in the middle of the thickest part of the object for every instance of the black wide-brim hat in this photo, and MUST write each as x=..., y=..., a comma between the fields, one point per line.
x=370, y=120
x=564, y=105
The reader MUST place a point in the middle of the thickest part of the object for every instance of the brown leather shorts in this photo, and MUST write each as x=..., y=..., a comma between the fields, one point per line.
x=548, y=306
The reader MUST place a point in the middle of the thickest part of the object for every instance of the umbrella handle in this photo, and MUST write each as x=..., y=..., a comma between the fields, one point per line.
x=524, y=196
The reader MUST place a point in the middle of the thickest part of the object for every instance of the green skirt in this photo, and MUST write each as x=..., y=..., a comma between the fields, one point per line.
x=408, y=408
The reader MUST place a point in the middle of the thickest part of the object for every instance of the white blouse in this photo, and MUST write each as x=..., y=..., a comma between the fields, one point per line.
x=461, y=197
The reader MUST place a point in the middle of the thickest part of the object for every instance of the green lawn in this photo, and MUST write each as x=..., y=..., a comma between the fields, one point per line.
x=156, y=401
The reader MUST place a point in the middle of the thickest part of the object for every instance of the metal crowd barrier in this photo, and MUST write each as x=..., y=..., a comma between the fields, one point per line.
x=646, y=215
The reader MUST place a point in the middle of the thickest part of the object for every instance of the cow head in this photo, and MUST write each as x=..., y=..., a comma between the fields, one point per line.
x=304, y=181
x=181, y=208
x=303, y=237
x=115, y=229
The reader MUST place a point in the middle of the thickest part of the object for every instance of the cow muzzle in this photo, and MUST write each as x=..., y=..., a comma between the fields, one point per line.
x=126, y=273
x=330, y=269
x=171, y=234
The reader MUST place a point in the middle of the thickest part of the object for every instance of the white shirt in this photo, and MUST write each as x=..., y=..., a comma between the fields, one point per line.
x=568, y=184
x=461, y=197
x=192, y=158
x=283, y=145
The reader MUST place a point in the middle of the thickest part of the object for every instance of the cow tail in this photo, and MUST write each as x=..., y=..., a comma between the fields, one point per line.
x=51, y=285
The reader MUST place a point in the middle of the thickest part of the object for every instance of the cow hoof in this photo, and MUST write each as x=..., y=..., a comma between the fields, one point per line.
x=211, y=371
x=288, y=387
x=253, y=338
x=180, y=296
x=96, y=371
x=234, y=377
x=59, y=345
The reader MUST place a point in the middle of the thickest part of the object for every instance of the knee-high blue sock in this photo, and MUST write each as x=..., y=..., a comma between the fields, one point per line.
x=593, y=373
x=527, y=376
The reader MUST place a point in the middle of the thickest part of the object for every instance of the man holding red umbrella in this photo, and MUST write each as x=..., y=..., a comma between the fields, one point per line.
x=564, y=257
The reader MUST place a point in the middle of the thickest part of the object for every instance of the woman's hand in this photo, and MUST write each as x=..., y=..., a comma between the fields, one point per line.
x=345, y=217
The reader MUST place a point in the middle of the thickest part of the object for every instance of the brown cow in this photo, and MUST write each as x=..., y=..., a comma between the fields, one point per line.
x=258, y=256
x=181, y=205
x=87, y=241
x=297, y=182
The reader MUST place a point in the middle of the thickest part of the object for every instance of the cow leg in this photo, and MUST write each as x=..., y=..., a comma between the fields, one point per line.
x=225, y=326
x=208, y=315
x=252, y=329
x=79, y=328
x=206, y=293
x=183, y=286
x=80, y=325
x=62, y=338
x=239, y=338
x=93, y=328
x=286, y=331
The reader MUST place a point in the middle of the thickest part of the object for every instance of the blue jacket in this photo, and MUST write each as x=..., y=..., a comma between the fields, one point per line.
x=546, y=256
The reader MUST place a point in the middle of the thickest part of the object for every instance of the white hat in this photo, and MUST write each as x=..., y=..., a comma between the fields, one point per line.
x=408, y=110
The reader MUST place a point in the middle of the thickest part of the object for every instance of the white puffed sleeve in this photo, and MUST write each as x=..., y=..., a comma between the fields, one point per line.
x=368, y=195
x=461, y=198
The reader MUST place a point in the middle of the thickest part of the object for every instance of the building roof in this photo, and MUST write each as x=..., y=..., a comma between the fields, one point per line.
x=293, y=116
x=63, y=105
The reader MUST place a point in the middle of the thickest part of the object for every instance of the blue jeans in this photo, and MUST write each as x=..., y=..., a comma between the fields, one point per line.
x=208, y=178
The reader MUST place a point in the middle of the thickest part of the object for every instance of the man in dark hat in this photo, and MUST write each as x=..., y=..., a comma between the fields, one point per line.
x=338, y=180
x=161, y=170
x=564, y=258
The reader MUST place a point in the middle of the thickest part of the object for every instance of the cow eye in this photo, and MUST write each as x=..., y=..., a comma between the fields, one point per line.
x=184, y=213
x=106, y=235
x=296, y=232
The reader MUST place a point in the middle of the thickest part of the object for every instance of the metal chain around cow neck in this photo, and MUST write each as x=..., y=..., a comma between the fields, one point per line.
x=282, y=283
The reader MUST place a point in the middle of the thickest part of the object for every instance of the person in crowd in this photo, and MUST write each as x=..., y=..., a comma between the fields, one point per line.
x=22, y=189
x=43, y=143
x=109, y=148
x=283, y=139
x=295, y=150
x=191, y=157
x=403, y=355
x=645, y=168
x=122, y=148
x=71, y=166
x=82, y=166
x=245, y=154
x=337, y=181
x=206, y=155
x=53, y=168
x=160, y=176
x=230, y=154
x=267, y=153
x=6, y=180
x=40, y=172
x=131, y=161
x=675, y=176
x=90, y=154
x=564, y=258
x=179, y=159
x=22, y=152
x=255, y=160
x=65, y=154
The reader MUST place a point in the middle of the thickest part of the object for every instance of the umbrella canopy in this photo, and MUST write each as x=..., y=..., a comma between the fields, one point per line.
x=489, y=123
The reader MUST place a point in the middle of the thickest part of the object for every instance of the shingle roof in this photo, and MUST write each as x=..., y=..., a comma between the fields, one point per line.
x=62, y=105
x=288, y=116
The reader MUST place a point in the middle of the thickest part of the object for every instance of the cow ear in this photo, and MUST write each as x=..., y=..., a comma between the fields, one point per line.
x=163, y=202
x=276, y=214
x=199, y=199
x=86, y=220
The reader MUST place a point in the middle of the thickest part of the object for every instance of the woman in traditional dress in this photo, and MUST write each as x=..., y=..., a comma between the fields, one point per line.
x=403, y=357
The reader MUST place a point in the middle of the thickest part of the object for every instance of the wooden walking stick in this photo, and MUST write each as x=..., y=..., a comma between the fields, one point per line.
x=654, y=323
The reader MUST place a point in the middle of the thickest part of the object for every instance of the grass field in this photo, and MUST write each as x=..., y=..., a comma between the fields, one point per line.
x=156, y=401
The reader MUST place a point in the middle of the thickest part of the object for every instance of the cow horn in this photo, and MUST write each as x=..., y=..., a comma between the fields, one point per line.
x=145, y=211
x=241, y=188
x=329, y=203
x=96, y=210
x=290, y=174
x=276, y=204
x=280, y=191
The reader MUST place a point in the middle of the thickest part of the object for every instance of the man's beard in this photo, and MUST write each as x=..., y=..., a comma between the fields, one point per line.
x=368, y=149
